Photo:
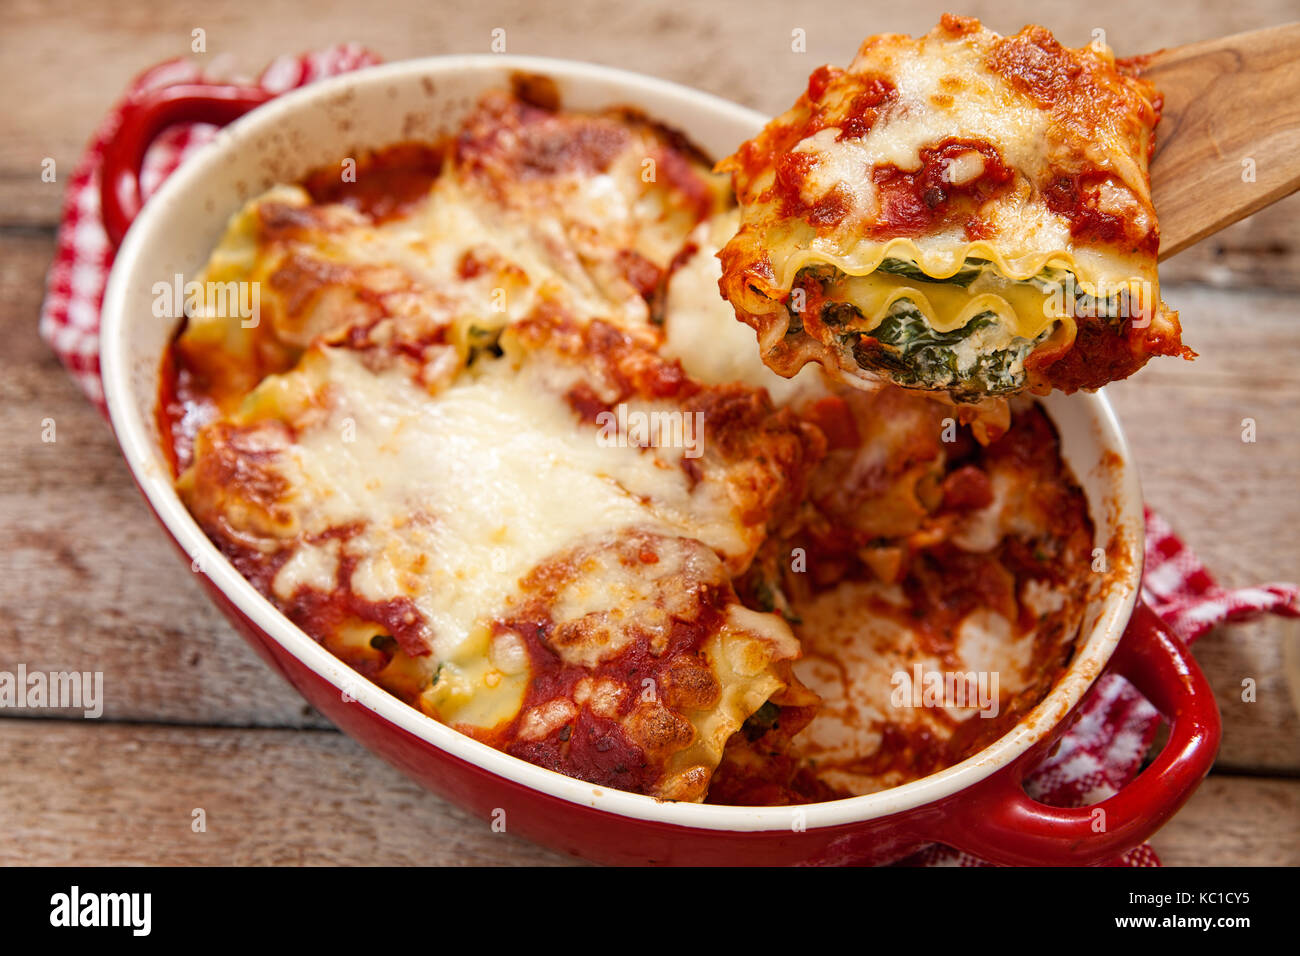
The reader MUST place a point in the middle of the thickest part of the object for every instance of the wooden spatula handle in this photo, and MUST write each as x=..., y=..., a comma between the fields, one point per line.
x=1229, y=140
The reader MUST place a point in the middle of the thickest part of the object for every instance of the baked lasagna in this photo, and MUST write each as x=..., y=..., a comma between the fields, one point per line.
x=964, y=213
x=495, y=441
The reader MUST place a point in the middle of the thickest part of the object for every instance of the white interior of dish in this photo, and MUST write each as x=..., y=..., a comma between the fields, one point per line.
x=422, y=99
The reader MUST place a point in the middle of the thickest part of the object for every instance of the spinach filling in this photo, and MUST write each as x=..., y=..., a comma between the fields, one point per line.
x=970, y=270
x=767, y=717
x=1114, y=308
x=969, y=363
x=482, y=341
x=1052, y=279
x=909, y=352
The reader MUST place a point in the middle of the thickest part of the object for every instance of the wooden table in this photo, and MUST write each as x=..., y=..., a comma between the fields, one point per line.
x=193, y=720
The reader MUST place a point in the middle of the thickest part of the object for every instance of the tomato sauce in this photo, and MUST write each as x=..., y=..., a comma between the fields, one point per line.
x=387, y=184
x=913, y=202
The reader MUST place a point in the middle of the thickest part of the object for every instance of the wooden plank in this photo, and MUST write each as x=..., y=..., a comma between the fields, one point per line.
x=1184, y=422
x=1235, y=821
x=1260, y=735
x=91, y=585
x=1260, y=252
x=90, y=793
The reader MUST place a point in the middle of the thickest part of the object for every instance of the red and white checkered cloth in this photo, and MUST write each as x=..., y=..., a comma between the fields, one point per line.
x=1096, y=757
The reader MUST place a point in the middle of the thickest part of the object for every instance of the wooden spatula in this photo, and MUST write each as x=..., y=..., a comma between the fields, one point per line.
x=1228, y=143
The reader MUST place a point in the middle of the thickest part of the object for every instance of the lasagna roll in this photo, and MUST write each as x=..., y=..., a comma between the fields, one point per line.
x=525, y=205
x=965, y=213
x=535, y=547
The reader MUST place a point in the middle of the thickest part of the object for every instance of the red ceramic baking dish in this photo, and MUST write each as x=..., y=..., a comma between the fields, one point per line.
x=978, y=805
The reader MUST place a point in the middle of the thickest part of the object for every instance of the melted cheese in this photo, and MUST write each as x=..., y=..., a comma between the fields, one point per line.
x=449, y=499
x=414, y=260
x=929, y=110
x=613, y=600
x=857, y=655
x=943, y=88
x=702, y=333
x=1046, y=112
x=488, y=245
x=458, y=494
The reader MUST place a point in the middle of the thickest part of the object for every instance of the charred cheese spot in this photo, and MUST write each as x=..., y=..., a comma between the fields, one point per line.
x=642, y=635
x=239, y=482
x=525, y=208
x=689, y=683
x=637, y=586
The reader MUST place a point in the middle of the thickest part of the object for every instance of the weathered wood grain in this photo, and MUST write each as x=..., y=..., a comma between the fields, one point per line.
x=1233, y=501
x=1231, y=821
x=1260, y=252
x=1230, y=129
x=90, y=793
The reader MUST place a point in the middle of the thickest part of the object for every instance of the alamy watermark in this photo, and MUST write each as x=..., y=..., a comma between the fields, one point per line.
x=1137, y=301
x=625, y=428
x=232, y=300
x=961, y=689
x=133, y=911
x=53, y=690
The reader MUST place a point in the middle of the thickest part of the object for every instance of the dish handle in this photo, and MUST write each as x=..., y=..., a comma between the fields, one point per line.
x=144, y=117
x=999, y=822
